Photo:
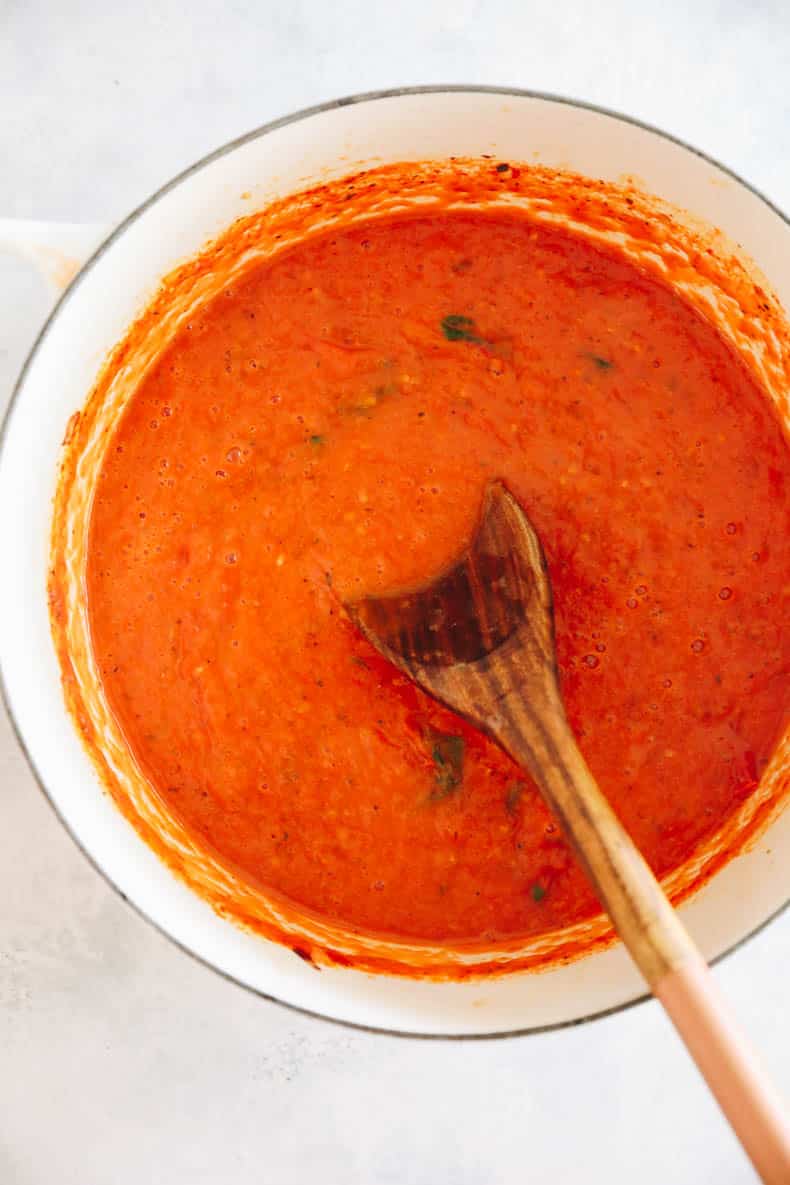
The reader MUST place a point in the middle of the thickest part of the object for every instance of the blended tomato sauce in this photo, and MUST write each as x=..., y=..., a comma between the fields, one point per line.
x=324, y=429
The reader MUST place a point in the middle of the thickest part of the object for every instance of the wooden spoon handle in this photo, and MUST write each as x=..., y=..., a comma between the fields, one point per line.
x=725, y=1059
x=653, y=933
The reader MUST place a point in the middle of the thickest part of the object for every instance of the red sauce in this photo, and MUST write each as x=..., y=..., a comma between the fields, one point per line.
x=321, y=430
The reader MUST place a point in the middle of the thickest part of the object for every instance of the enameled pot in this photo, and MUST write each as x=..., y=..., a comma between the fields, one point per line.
x=92, y=314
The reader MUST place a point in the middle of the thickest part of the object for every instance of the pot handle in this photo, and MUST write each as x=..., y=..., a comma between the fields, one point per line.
x=57, y=249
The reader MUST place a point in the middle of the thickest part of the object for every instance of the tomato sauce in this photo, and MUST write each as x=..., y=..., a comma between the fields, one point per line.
x=323, y=429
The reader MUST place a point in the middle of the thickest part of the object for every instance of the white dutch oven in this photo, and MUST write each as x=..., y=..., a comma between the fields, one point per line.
x=93, y=314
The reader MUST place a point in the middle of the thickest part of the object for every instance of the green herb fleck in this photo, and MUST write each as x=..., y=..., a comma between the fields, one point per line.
x=369, y=400
x=538, y=892
x=317, y=440
x=384, y=390
x=513, y=797
x=447, y=753
x=359, y=662
x=599, y=361
x=461, y=329
x=363, y=407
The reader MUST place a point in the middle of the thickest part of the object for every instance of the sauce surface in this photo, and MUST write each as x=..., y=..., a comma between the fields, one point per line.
x=324, y=429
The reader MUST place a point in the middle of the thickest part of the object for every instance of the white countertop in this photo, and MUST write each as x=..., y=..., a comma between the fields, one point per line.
x=123, y=1061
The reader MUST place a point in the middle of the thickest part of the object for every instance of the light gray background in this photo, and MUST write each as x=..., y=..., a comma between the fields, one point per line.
x=122, y=1062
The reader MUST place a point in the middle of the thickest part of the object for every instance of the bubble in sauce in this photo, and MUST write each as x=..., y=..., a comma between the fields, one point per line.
x=725, y=593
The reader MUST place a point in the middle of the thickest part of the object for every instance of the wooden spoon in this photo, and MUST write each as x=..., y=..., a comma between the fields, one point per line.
x=480, y=639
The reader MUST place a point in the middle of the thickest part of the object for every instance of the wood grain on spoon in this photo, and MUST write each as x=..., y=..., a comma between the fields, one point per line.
x=480, y=639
